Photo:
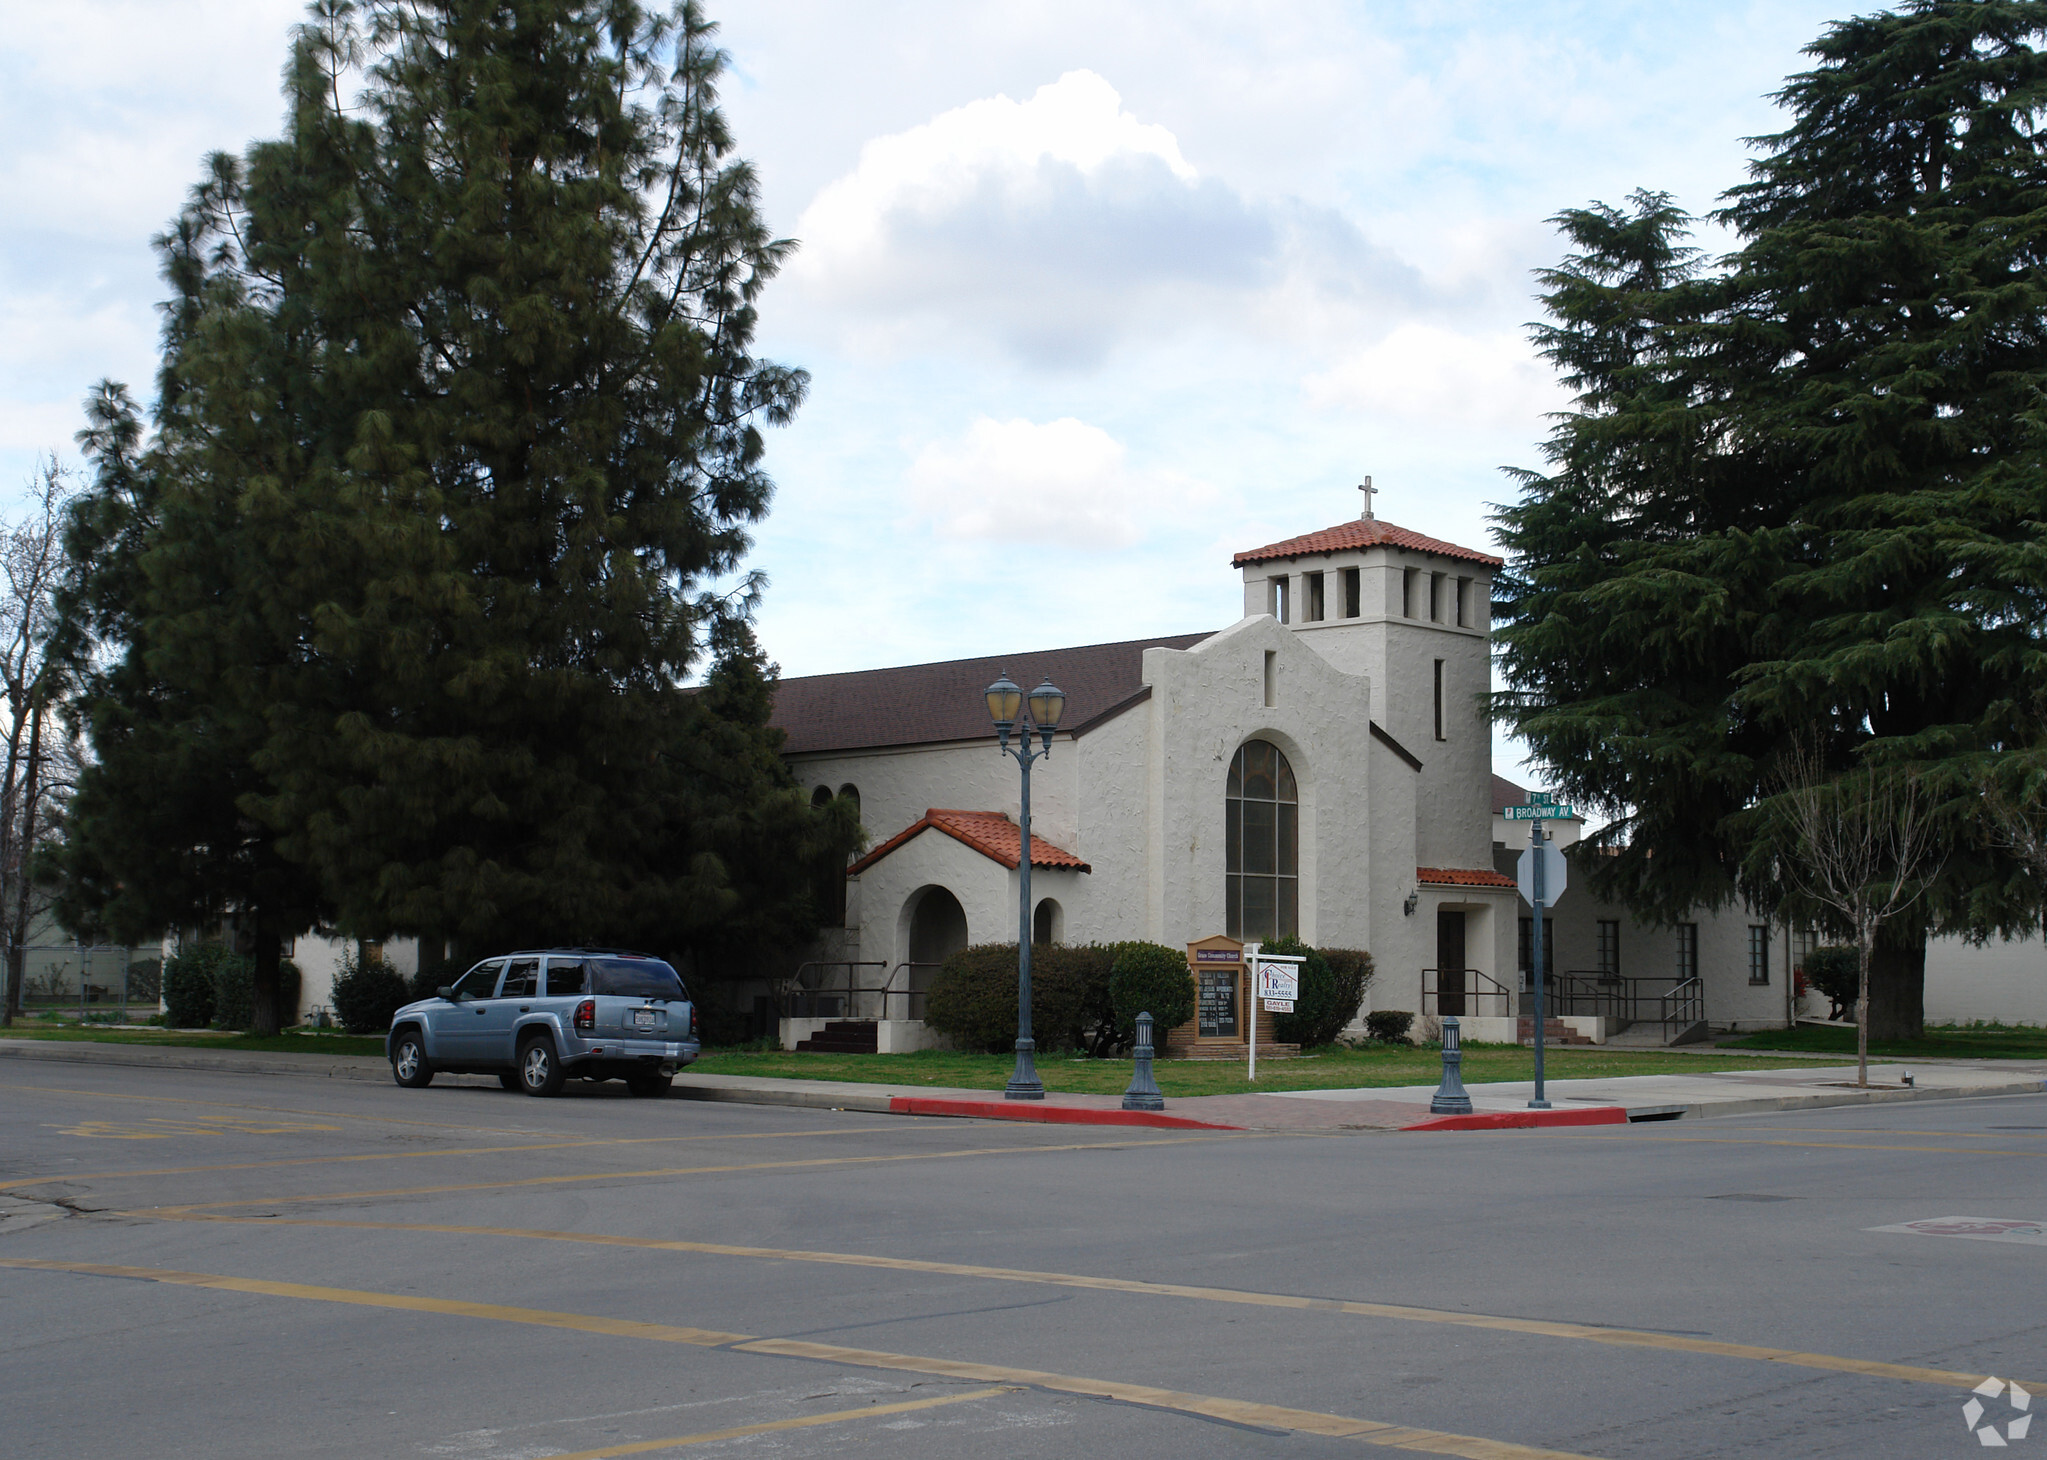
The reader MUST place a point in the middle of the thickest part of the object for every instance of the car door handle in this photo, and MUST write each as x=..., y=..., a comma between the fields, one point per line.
x=479, y=1013
x=525, y=1008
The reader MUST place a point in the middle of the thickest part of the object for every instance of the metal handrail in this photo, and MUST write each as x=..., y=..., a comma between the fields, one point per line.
x=1488, y=988
x=1683, y=1006
x=822, y=996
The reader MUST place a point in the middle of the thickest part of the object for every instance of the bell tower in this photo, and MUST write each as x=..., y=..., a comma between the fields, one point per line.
x=1412, y=613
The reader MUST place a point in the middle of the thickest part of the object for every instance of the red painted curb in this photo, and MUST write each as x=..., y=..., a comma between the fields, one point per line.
x=1046, y=1114
x=1524, y=1119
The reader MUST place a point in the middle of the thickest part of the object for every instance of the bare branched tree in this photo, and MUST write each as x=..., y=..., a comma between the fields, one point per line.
x=2015, y=805
x=1866, y=851
x=36, y=771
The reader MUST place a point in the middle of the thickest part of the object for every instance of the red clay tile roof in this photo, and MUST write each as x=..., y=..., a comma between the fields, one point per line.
x=1362, y=533
x=918, y=704
x=1462, y=877
x=990, y=833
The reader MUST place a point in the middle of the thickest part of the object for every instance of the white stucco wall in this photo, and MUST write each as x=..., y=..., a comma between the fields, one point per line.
x=2004, y=982
x=1206, y=702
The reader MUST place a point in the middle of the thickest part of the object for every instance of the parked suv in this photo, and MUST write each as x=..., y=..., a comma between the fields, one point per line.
x=535, y=1019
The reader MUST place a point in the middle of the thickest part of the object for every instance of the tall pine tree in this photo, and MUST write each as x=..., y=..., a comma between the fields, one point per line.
x=458, y=436
x=1802, y=496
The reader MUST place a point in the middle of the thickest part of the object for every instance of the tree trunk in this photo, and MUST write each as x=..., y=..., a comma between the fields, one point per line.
x=1897, y=982
x=31, y=793
x=267, y=953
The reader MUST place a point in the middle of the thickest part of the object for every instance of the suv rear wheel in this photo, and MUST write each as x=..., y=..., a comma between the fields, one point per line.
x=409, y=1066
x=540, y=1073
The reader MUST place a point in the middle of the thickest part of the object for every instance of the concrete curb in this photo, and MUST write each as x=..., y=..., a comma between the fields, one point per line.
x=1523, y=1119
x=1048, y=1113
x=885, y=1100
x=1763, y=1105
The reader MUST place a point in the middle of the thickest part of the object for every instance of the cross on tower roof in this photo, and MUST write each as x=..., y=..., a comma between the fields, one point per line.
x=1370, y=491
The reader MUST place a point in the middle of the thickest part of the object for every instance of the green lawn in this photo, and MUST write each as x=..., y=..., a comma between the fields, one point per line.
x=1333, y=1069
x=323, y=1042
x=1992, y=1043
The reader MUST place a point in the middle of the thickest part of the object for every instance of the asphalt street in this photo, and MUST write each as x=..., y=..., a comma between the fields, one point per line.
x=220, y=1265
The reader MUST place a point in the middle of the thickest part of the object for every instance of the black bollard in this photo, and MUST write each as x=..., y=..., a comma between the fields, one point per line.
x=1143, y=1093
x=1450, y=1097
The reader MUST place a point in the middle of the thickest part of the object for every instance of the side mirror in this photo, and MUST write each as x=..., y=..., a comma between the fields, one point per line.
x=446, y=991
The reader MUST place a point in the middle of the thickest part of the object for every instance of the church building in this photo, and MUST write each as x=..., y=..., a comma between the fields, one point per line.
x=1321, y=767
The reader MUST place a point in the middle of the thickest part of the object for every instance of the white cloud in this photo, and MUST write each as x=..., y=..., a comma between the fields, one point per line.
x=1064, y=482
x=1054, y=226
x=1424, y=374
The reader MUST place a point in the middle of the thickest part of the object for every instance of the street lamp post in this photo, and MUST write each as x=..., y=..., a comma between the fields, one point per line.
x=1005, y=704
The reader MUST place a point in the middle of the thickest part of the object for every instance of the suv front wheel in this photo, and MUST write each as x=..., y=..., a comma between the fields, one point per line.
x=540, y=1073
x=409, y=1065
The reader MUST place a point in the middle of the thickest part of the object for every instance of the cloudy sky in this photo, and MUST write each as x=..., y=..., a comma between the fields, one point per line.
x=1092, y=294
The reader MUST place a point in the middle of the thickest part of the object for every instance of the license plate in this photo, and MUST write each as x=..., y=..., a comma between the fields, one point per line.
x=643, y=1018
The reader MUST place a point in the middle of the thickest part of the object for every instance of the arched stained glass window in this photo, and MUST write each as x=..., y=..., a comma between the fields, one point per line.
x=1262, y=843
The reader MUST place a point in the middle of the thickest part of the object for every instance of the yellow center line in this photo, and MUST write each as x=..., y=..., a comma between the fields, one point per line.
x=1207, y=1406
x=1542, y=1328
x=666, y=1171
x=801, y=1422
x=441, y=1151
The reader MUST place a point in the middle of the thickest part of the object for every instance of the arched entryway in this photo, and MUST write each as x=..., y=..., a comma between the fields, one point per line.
x=937, y=930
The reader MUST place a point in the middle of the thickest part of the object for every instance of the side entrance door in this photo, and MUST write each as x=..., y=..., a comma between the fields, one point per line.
x=1449, y=962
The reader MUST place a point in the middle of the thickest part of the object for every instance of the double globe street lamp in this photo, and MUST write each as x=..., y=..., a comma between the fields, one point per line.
x=1047, y=704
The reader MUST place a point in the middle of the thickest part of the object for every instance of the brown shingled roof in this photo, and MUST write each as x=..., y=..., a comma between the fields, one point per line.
x=991, y=833
x=919, y=704
x=1362, y=533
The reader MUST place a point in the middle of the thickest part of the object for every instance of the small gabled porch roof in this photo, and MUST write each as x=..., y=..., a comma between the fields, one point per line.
x=991, y=833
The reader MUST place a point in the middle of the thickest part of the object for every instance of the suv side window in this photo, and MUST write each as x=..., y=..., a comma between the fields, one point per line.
x=480, y=980
x=564, y=976
x=522, y=979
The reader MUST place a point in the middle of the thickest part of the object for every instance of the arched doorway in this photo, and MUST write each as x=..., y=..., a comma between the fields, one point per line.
x=938, y=929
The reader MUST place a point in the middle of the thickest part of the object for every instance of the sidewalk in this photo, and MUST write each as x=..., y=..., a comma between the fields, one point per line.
x=1496, y=1105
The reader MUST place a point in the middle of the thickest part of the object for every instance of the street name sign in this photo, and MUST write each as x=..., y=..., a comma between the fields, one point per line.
x=1541, y=811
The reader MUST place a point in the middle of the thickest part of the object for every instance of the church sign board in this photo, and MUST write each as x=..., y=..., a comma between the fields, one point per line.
x=1220, y=1028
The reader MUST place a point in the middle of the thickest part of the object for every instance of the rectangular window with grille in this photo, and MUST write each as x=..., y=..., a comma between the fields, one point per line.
x=1352, y=593
x=1758, y=953
x=1609, y=948
x=1687, y=950
x=1311, y=594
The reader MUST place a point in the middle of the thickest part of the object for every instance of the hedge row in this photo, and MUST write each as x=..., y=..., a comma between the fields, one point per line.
x=209, y=986
x=1088, y=998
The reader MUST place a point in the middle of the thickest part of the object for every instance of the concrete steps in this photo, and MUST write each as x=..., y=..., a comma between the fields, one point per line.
x=1554, y=1031
x=843, y=1036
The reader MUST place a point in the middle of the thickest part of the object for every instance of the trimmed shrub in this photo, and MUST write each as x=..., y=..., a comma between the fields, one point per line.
x=1389, y=1026
x=367, y=995
x=973, y=998
x=1150, y=978
x=234, y=991
x=188, y=986
x=1332, y=986
x=1837, y=973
